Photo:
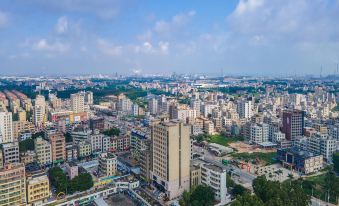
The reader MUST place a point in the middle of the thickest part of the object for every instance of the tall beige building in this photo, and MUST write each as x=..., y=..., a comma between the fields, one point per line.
x=13, y=185
x=43, y=151
x=171, y=157
x=78, y=102
x=6, y=128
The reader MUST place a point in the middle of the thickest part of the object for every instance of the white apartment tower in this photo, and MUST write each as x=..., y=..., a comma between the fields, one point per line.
x=39, y=110
x=244, y=109
x=171, y=157
x=6, y=130
x=153, y=106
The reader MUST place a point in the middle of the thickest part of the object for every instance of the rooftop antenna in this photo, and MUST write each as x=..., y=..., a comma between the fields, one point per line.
x=321, y=71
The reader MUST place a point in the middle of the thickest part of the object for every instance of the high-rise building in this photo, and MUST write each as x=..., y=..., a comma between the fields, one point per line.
x=89, y=97
x=58, y=145
x=244, y=109
x=6, y=130
x=293, y=124
x=13, y=185
x=171, y=157
x=153, y=106
x=39, y=110
x=107, y=164
x=78, y=102
x=43, y=151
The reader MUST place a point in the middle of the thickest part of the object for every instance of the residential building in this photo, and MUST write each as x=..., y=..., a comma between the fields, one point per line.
x=171, y=157
x=84, y=149
x=43, y=151
x=72, y=170
x=244, y=109
x=71, y=151
x=38, y=190
x=293, y=123
x=6, y=127
x=58, y=145
x=301, y=161
x=13, y=185
x=153, y=106
x=78, y=102
x=107, y=164
x=11, y=152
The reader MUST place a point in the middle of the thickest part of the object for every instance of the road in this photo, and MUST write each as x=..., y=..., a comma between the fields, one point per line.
x=317, y=202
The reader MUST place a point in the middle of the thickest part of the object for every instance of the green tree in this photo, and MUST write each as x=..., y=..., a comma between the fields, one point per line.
x=202, y=196
x=336, y=162
x=185, y=199
x=68, y=137
x=112, y=132
x=25, y=145
x=238, y=190
x=247, y=200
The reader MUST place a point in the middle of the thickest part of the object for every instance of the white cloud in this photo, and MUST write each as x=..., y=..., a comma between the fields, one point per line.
x=177, y=20
x=109, y=48
x=4, y=20
x=163, y=46
x=62, y=25
x=148, y=48
x=44, y=45
x=247, y=6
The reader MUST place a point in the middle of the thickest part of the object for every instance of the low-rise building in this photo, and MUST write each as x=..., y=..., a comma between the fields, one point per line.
x=84, y=149
x=301, y=161
x=38, y=190
x=11, y=152
x=107, y=164
x=27, y=157
x=72, y=170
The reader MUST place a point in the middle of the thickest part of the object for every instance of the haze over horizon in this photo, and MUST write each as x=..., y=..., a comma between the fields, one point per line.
x=243, y=37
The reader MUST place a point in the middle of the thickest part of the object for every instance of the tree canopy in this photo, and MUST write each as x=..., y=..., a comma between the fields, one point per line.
x=112, y=132
x=201, y=196
x=336, y=162
x=27, y=144
x=59, y=180
x=274, y=193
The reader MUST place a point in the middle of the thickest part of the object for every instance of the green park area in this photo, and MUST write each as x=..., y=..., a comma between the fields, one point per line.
x=264, y=158
x=218, y=139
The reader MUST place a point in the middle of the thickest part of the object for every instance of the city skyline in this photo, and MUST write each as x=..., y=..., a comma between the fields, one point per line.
x=245, y=37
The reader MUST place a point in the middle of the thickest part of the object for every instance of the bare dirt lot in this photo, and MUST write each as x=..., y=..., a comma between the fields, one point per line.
x=243, y=147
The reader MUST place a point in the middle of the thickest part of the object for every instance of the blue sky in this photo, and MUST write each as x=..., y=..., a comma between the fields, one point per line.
x=255, y=37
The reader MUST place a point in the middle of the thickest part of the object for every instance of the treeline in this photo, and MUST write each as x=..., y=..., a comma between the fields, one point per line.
x=274, y=193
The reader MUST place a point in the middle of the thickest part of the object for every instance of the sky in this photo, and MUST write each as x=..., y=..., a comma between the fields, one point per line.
x=229, y=37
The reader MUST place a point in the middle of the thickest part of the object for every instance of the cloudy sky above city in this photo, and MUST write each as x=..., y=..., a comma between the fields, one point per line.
x=246, y=37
